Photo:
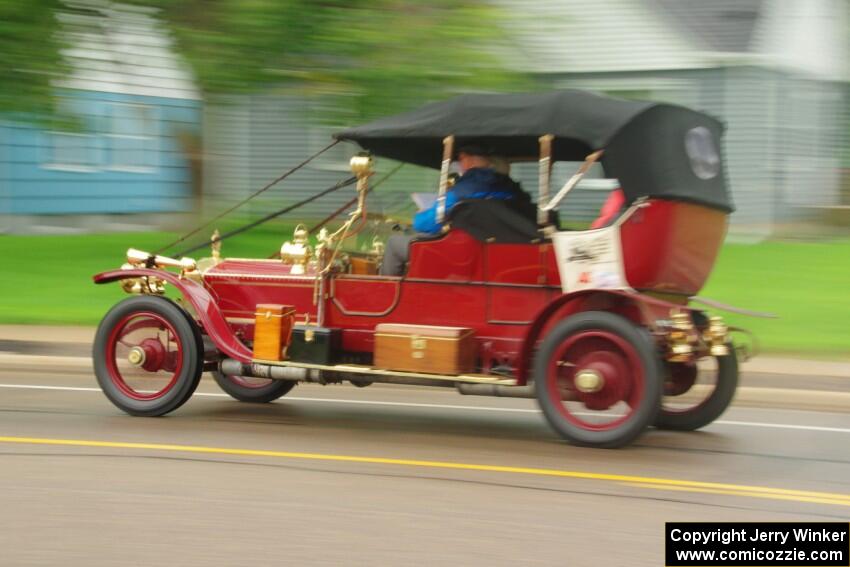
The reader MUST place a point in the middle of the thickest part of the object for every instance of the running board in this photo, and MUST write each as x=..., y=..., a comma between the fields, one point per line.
x=305, y=371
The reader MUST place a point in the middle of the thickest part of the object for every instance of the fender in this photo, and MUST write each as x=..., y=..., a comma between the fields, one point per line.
x=645, y=312
x=208, y=312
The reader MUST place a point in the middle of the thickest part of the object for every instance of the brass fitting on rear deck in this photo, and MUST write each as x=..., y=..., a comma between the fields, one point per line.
x=681, y=337
x=717, y=336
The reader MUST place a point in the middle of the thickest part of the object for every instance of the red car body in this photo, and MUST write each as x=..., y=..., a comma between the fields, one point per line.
x=598, y=317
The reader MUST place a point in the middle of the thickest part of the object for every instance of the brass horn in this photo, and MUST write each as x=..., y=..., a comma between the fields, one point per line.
x=141, y=258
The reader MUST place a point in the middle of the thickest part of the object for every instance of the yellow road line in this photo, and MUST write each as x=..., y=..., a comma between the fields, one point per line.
x=661, y=483
x=749, y=494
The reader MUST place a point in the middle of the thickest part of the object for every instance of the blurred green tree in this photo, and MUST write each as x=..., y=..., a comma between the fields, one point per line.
x=30, y=58
x=364, y=57
x=372, y=56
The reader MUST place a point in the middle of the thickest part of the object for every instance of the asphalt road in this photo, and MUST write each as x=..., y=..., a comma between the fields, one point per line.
x=382, y=476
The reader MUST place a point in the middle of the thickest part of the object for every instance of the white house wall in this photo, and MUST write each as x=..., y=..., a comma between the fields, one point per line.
x=743, y=98
x=575, y=36
x=808, y=37
x=783, y=116
x=811, y=130
x=124, y=50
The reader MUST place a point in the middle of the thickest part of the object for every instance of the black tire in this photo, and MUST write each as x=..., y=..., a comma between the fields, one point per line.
x=255, y=395
x=640, y=347
x=712, y=407
x=188, y=357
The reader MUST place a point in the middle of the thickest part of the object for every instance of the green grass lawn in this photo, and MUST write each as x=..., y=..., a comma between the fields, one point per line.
x=807, y=285
x=47, y=279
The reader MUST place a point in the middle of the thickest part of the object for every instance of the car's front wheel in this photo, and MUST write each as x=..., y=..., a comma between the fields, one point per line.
x=147, y=356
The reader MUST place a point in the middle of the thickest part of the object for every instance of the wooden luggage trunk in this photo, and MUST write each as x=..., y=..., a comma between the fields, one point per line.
x=424, y=348
x=273, y=331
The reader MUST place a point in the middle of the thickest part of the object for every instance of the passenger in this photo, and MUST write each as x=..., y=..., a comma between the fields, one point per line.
x=478, y=180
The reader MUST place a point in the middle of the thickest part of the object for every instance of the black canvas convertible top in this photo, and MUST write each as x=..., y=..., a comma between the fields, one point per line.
x=654, y=149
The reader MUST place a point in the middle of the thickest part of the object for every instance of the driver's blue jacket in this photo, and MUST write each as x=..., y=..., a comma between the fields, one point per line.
x=476, y=183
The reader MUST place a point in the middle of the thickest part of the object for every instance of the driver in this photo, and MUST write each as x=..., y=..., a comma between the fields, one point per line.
x=478, y=180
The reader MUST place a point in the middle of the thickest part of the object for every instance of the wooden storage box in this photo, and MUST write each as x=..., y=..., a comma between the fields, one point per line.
x=424, y=348
x=273, y=331
x=363, y=266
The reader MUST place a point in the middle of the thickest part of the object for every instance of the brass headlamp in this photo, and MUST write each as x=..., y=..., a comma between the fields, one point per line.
x=361, y=165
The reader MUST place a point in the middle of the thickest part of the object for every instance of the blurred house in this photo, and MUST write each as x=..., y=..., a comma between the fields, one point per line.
x=251, y=139
x=775, y=71
x=137, y=116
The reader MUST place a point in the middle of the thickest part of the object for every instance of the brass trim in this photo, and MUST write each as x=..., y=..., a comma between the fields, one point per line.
x=361, y=165
x=259, y=276
x=425, y=337
x=136, y=356
x=370, y=277
x=681, y=337
x=215, y=246
x=385, y=279
x=544, y=176
x=146, y=259
x=262, y=260
x=589, y=381
x=448, y=150
x=267, y=284
x=717, y=336
x=252, y=320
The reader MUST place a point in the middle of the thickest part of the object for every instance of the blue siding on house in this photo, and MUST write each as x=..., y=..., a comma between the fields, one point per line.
x=157, y=178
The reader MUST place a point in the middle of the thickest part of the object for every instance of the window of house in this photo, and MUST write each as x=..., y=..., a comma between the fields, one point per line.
x=73, y=151
x=78, y=148
x=132, y=137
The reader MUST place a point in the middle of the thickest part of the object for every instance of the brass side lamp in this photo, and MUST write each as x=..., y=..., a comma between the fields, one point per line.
x=298, y=252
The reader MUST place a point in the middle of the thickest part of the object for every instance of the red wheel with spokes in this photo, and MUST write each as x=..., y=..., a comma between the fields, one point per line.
x=597, y=379
x=253, y=390
x=147, y=356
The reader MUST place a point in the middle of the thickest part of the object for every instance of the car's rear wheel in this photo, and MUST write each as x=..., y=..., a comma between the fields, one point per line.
x=697, y=394
x=597, y=379
x=253, y=390
x=147, y=356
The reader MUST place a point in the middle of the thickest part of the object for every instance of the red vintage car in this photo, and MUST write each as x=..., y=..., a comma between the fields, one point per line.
x=598, y=325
